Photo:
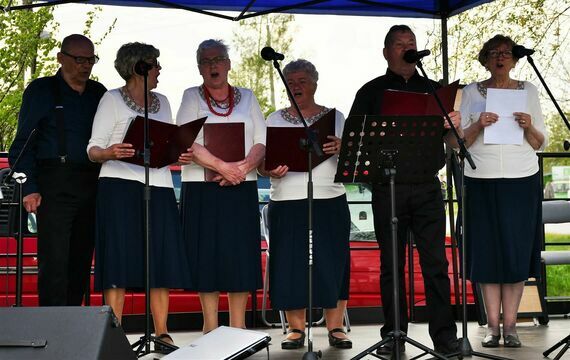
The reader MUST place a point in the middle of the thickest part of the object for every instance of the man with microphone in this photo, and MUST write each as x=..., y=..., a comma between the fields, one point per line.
x=61, y=181
x=419, y=206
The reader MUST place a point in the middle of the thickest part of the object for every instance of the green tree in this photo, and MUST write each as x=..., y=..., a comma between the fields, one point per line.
x=251, y=71
x=24, y=54
x=27, y=52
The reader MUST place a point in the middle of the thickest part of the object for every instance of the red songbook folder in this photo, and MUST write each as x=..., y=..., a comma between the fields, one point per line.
x=283, y=144
x=396, y=102
x=225, y=141
x=167, y=141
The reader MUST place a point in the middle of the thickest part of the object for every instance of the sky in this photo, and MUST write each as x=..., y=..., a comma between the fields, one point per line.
x=346, y=50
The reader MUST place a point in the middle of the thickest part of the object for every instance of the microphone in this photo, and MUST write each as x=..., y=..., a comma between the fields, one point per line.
x=412, y=56
x=142, y=67
x=520, y=51
x=267, y=53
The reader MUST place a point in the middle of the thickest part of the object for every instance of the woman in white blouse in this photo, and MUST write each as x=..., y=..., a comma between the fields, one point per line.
x=221, y=215
x=119, y=246
x=288, y=223
x=503, y=201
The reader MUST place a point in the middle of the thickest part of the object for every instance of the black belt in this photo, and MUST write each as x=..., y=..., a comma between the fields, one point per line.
x=69, y=164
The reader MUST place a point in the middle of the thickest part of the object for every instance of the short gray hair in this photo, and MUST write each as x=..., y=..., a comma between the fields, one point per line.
x=129, y=54
x=302, y=65
x=209, y=44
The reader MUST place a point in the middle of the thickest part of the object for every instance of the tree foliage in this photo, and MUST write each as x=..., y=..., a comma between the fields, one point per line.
x=251, y=71
x=24, y=54
x=27, y=44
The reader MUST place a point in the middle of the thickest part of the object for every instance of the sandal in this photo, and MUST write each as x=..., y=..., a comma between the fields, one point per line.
x=164, y=347
x=339, y=343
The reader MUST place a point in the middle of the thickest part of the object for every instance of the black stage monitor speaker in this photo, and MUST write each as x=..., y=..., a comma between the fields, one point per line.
x=62, y=333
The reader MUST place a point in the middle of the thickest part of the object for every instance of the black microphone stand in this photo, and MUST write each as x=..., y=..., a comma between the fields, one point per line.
x=20, y=178
x=143, y=344
x=311, y=145
x=562, y=115
x=465, y=348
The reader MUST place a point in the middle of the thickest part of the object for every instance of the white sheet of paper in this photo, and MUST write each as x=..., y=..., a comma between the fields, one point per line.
x=504, y=103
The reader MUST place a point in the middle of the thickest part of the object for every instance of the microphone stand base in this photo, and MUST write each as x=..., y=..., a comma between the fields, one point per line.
x=312, y=355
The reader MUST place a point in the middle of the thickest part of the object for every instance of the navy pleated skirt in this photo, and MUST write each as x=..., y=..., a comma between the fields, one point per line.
x=288, y=273
x=221, y=228
x=503, y=229
x=119, y=242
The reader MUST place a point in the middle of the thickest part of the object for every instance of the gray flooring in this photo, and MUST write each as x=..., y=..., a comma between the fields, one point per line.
x=535, y=338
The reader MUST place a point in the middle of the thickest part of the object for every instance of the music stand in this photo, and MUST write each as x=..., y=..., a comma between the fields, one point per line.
x=373, y=147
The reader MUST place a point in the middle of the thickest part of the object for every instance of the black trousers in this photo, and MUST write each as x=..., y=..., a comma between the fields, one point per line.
x=419, y=208
x=66, y=233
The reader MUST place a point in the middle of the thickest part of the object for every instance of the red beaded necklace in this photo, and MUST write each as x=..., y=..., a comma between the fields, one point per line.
x=207, y=96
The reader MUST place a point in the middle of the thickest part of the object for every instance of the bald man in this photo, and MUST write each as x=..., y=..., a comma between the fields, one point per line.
x=62, y=182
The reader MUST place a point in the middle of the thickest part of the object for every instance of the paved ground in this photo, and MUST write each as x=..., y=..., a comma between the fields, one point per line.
x=535, y=338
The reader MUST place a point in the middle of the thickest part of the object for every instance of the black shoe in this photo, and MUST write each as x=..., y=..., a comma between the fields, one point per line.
x=449, y=349
x=164, y=349
x=339, y=343
x=512, y=341
x=291, y=344
x=491, y=341
x=388, y=348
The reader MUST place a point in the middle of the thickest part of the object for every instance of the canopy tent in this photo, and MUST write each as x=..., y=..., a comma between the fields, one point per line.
x=249, y=8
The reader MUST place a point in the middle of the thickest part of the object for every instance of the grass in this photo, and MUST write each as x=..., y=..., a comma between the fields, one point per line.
x=557, y=276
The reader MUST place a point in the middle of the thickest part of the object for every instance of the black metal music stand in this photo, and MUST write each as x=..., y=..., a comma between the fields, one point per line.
x=373, y=148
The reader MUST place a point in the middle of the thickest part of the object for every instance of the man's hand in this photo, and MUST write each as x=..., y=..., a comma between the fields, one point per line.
x=32, y=202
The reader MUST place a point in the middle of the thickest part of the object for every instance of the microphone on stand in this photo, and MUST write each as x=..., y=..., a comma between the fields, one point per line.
x=267, y=53
x=520, y=51
x=142, y=67
x=412, y=56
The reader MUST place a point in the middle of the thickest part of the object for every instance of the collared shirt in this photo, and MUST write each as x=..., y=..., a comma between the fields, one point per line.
x=368, y=100
x=37, y=112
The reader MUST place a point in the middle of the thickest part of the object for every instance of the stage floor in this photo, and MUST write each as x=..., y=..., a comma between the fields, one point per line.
x=535, y=338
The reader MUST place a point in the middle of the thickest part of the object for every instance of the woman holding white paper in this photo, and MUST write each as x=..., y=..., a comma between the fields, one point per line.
x=288, y=223
x=503, y=201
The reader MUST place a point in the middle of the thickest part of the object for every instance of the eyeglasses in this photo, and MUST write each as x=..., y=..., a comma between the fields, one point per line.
x=82, y=59
x=507, y=54
x=213, y=61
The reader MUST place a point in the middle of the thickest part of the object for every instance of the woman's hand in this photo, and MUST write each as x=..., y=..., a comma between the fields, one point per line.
x=524, y=119
x=186, y=158
x=119, y=151
x=455, y=117
x=231, y=173
x=332, y=147
x=279, y=171
x=488, y=118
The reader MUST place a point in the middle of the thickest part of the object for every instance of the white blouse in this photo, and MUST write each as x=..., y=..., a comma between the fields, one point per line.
x=501, y=161
x=247, y=111
x=293, y=186
x=110, y=125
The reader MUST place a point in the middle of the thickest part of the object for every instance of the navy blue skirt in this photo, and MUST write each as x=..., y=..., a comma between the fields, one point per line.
x=119, y=242
x=288, y=273
x=503, y=229
x=221, y=227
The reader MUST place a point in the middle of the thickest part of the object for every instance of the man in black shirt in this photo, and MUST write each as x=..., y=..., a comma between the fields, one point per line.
x=61, y=181
x=419, y=207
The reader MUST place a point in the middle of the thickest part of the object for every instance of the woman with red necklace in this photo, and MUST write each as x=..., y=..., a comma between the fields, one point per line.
x=221, y=217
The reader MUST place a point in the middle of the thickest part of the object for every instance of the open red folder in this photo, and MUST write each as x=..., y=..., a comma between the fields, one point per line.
x=283, y=144
x=226, y=141
x=167, y=141
x=397, y=102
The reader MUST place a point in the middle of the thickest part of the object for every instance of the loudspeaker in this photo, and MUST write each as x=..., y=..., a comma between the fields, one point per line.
x=77, y=332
